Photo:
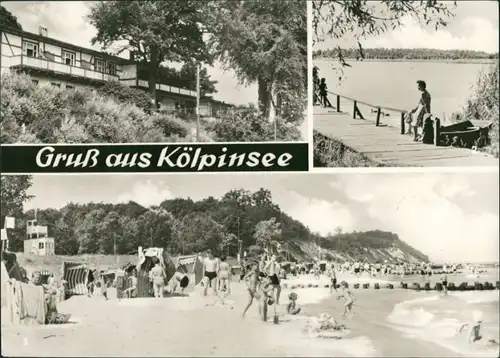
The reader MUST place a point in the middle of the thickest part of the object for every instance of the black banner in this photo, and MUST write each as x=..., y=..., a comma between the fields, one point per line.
x=140, y=158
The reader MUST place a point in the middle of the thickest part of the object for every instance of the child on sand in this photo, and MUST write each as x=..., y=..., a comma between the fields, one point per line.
x=292, y=305
x=349, y=298
x=180, y=279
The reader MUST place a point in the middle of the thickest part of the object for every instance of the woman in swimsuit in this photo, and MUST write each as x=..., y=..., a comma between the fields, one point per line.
x=210, y=268
x=224, y=276
x=253, y=280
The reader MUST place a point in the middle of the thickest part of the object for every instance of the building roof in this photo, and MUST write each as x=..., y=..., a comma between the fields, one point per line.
x=66, y=45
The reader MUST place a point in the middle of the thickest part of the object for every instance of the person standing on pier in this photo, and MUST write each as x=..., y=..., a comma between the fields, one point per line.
x=416, y=117
x=323, y=93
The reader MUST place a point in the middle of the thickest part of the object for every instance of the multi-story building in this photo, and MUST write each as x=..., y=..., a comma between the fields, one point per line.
x=37, y=240
x=52, y=62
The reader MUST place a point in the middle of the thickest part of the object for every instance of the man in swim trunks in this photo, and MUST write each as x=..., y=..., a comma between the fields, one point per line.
x=444, y=283
x=272, y=269
x=357, y=267
x=224, y=276
x=210, y=268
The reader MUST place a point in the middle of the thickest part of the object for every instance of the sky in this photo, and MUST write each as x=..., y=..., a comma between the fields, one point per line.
x=448, y=216
x=474, y=27
x=66, y=21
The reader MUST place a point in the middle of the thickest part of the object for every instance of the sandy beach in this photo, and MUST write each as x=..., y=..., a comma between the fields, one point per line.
x=206, y=326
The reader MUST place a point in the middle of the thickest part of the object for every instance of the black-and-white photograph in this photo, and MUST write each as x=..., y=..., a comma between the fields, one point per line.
x=153, y=71
x=332, y=265
x=405, y=83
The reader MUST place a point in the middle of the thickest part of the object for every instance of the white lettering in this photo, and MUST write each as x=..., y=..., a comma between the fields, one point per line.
x=284, y=159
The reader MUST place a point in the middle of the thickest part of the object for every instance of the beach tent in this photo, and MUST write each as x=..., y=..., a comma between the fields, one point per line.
x=145, y=264
x=77, y=277
x=192, y=265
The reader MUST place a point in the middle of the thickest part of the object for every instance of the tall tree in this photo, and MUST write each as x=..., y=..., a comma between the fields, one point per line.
x=267, y=234
x=155, y=31
x=362, y=18
x=14, y=193
x=264, y=42
x=8, y=20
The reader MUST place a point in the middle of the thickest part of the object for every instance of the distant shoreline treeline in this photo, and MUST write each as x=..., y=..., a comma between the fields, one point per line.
x=399, y=54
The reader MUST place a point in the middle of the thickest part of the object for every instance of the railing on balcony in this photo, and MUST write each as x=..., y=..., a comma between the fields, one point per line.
x=167, y=88
x=61, y=68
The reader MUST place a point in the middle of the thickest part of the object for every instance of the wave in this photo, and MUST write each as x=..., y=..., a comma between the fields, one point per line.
x=416, y=320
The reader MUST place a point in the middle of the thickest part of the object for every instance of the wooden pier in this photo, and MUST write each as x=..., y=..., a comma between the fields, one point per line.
x=379, y=133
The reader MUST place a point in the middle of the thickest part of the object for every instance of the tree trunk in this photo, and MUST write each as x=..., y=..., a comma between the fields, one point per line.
x=153, y=67
x=264, y=97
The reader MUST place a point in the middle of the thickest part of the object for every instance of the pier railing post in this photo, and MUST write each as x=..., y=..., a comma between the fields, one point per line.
x=355, y=110
x=338, y=103
x=402, y=123
x=378, y=117
x=437, y=131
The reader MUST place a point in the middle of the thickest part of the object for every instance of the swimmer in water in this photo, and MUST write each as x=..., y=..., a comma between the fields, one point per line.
x=210, y=266
x=253, y=281
x=224, y=276
x=348, y=297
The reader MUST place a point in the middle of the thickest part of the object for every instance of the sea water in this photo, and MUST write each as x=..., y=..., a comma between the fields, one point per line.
x=438, y=318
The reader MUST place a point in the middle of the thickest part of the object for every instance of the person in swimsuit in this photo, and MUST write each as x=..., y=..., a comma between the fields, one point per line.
x=357, y=267
x=272, y=269
x=444, y=282
x=292, y=308
x=252, y=279
x=224, y=276
x=348, y=297
x=131, y=292
x=180, y=279
x=323, y=93
x=416, y=117
x=262, y=266
x=266, y=289
x=333, y=278
x=210, y=268
x=157, y=277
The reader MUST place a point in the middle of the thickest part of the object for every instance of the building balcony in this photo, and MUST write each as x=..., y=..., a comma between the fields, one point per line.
x=42, y=64
x=167, y=88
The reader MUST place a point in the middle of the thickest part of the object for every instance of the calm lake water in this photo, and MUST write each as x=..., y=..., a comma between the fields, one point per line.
x=393, y=84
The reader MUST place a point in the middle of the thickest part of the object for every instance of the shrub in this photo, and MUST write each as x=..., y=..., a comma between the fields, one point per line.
x=34, y=114
x=249, y=125
x=483, y=105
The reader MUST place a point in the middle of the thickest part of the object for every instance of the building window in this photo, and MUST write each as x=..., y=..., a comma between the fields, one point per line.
x=111, y=68
x=40, y=246
x=99, y=65
x=53, y=84
x=68, y=87
x=30, y=49
x=35, y=82
x=68, y=58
